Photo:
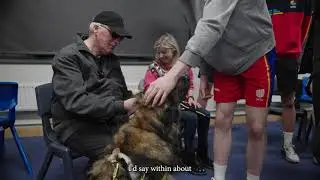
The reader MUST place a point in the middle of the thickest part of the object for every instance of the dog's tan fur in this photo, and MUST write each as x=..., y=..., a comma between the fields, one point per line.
x=144, y=134
x=151, y=137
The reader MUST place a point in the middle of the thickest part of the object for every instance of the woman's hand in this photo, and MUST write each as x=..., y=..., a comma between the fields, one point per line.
x=193, y=102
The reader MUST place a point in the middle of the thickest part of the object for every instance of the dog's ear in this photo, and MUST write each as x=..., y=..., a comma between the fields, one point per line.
x=179, y=93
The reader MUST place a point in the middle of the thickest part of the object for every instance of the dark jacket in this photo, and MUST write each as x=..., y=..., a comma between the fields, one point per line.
x=316, y=59
x=306, y=65
x=87, y=90
x=311, y=58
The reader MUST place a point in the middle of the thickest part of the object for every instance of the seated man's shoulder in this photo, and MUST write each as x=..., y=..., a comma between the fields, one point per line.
x=67, y=51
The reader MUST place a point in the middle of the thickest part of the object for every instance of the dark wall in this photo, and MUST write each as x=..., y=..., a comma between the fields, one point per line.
x=48, y=25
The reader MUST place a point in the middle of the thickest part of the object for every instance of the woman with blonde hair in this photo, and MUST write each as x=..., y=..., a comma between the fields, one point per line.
x=193, y=116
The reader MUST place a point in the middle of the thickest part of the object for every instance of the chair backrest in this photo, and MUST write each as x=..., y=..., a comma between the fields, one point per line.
x=8, y=95
x=44, y=94
x=304, y=97
x=8, y=101
x=275, y=87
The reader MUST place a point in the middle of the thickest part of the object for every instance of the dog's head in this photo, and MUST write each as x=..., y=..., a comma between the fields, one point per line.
x=170, y=108
x=177, y=95
x=114, y=166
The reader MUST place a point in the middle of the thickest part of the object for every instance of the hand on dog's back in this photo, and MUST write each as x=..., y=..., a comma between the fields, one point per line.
x=129, y=105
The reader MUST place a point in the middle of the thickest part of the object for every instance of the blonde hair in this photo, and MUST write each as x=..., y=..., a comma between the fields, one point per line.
x=167, y=41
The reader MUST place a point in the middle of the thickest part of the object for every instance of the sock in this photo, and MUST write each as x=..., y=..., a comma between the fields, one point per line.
x=287, y=141
x=219, y=171
x=252, y=177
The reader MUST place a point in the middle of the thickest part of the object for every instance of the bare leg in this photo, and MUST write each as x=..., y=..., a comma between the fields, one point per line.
x=288, y=113
x=256, y=119
x=288, y=123
x=222, y=137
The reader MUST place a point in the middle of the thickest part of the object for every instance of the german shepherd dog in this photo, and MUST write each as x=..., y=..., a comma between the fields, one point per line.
x=151, y=138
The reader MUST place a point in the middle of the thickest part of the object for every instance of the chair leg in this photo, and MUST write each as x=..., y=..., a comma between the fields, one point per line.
x=21, y=151
x=302, y=128
x=308, y=132
x=68, y=165
x=45, y=165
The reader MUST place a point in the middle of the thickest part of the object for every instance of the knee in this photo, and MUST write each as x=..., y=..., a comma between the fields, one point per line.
x=223, y=121
x=257, y=130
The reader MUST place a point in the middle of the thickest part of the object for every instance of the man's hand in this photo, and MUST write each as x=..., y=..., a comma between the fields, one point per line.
x=159, y=90
x=129, y=105
x=204, y=88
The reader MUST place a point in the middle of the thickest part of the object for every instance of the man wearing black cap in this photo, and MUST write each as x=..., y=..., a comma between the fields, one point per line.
x=91, y=99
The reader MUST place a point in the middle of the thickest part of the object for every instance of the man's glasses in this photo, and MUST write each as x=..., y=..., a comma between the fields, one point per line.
x=113, y=34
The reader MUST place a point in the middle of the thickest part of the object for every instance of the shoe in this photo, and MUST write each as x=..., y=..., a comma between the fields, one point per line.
x=205, y=162
x=196, y=169
x=290, y=154
x=316, y=160
x=189, y=160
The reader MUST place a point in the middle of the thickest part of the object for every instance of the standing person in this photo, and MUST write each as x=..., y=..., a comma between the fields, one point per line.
x=291, y=22
x=316, y=82
x=233, y=37
x=91, y=100
x=193, y=116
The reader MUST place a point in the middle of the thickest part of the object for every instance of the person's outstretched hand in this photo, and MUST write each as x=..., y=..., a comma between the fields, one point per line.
x=159, y=90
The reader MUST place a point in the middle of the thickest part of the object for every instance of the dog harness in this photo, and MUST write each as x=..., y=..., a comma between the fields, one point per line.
x=116, y=172
x=155, y=68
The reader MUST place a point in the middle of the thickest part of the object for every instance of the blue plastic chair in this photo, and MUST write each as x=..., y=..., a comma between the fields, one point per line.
x=304, y=97
x=8, y=102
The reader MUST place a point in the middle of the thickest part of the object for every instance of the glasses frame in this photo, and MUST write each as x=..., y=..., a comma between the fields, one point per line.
x=114, y=35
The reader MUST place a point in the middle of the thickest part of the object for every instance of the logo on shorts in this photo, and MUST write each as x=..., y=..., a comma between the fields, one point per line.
x=293, y=4
x=260, y=93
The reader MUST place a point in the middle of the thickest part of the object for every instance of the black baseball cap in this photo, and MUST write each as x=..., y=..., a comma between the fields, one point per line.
x=114, y=21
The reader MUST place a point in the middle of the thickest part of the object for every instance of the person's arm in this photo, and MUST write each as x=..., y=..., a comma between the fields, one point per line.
x=149, y=77
x=127, y=93
x=206, y=70
x=210, y=27
x=191, y=84
x=68, y=85
x=306, y=23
